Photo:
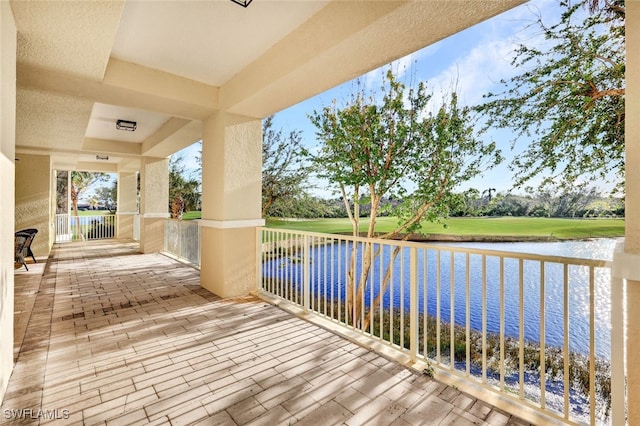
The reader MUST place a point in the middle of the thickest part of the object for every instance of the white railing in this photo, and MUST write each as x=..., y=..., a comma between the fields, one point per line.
x=74, y=228
x=136, y=227
x=514, y=315
x=182, y=240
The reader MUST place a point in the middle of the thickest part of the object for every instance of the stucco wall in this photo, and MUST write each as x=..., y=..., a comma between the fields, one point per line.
x=127, y=203
x=7, y=151
x=231, y=168
x=632, y=131
x=33, y=199
x=231, y=203
x=154, y=203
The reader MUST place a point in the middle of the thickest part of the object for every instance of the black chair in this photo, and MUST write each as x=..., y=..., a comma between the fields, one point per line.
x=20, y=251
x=29, y=234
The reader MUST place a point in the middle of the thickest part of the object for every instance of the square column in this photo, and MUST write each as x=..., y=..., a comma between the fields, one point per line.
x=231, y=203
x=35, y=200
x=626, y=263
x=154, y=203
x=127, y=204
x=8, y=37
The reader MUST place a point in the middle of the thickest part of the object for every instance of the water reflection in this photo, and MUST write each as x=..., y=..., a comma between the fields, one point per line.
x=446, y=274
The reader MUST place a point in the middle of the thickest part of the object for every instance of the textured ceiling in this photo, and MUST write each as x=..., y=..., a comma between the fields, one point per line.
x=206, y=41
x=168, y=65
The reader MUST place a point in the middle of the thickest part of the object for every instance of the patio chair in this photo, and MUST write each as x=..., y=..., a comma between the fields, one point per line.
x=20, y=251
x=30, y=234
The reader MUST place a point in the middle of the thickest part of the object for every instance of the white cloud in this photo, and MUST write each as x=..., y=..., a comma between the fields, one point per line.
x=474, y=74
x=478, y=70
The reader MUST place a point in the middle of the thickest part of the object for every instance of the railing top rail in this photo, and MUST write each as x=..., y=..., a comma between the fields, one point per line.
x=596, y=263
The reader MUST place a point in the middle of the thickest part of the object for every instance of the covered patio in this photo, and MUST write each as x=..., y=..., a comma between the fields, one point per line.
x=116, y=329
x=106, y=334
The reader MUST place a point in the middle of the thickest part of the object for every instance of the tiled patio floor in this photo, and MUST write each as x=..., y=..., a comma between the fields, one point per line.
x=110, y=336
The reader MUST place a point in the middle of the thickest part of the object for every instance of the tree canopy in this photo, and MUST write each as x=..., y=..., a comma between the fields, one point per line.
x=80, y=181
x=283, y=173
x=399, y=147
x=184, y=193
x=394, y=145
x=568, y=97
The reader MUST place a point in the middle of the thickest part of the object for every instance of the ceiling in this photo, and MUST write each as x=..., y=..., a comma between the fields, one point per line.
x=168, y=65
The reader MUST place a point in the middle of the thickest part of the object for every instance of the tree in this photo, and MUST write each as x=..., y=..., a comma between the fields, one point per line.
x=489, y=192
x=108, y=195
x=184, y=193
x=569, y=97
x=62, y=196
x=93, y=202
x=396, y=147
x=80, y=181
x=282, y=171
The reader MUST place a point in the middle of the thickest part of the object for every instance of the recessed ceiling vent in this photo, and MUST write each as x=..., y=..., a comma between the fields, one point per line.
x=126, y=125
x=102, y=157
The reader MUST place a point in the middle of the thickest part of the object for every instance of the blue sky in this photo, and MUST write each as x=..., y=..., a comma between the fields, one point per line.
x=472, y=61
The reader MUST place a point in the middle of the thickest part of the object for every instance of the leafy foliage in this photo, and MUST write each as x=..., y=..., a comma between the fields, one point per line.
x=569, y=96
x=108, y=195
x=283, y=173
x=398, y=147
x=395, y=147
x=80, y=181
x=183, y=192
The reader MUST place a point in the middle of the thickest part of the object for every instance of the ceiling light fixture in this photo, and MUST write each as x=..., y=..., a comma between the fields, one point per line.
x=128, y=126
x=243, y=3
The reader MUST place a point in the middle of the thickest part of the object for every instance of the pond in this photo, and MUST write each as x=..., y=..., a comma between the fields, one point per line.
x=598, y=249
x=329, y=265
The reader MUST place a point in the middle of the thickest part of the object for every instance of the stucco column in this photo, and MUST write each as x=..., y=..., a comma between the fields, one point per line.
x=7, y=189
x=626, y=269
x=154, y=202
x=231, y=201
x=127, y=203
x=33, y=202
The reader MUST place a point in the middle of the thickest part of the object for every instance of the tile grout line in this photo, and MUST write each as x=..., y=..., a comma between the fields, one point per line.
x=50, y=272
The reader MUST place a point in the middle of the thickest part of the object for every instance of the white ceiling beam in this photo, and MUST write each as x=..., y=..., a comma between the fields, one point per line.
x=165, y=103
x=111, y=147
x=173, y=136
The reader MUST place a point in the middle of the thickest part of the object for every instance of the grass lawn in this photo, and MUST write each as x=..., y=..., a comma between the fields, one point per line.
x=465, y=226
x=92, y=212
x=490, y=226
x=192, y=215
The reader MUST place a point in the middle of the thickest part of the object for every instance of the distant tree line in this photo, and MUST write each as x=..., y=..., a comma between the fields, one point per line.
x=471, y=203
x=577, y=204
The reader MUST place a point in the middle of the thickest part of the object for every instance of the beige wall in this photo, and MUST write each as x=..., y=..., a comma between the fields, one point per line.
x=231, y=201
x=154, y=202
x=33, y=199
x=629, y=263
x=232, y=167
x=7, y=155
x=632, y=129
x=127, y=203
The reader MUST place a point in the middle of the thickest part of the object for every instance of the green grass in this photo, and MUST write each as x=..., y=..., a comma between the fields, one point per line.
x=494, y=226
x=469, y=226
x=192, y=215
x=91, y=212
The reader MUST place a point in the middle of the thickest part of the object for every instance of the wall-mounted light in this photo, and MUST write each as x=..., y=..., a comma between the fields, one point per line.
x=126, y=125
x=102, y=157
x=243, y=3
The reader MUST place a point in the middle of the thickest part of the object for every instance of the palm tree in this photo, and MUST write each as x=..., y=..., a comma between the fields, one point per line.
x=488, y=191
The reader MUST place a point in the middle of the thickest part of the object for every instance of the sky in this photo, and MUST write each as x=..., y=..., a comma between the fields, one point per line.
x=473, y=61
